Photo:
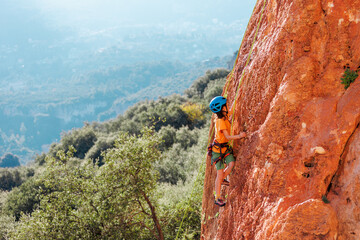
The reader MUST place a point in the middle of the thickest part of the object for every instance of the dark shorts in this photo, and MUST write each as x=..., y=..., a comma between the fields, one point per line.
x=220, y=164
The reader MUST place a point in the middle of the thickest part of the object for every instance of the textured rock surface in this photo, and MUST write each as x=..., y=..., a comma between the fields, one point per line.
x=304, y=140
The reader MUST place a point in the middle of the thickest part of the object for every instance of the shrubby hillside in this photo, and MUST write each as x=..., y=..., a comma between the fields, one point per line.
x=132, y=177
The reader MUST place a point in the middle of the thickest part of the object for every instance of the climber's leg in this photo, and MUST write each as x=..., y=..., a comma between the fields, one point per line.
x=218, y=181
x=230, y=163
x=228, y=169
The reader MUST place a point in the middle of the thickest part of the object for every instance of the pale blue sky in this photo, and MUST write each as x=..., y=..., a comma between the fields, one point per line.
x=108, y=13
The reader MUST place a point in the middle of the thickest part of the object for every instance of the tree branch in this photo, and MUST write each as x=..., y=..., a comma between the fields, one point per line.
x=154, y=217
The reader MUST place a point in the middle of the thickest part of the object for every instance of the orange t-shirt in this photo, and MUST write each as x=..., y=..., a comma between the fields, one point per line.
x=221, y=124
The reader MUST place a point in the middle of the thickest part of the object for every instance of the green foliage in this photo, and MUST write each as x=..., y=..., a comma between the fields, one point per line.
x=168, y=136
x=10, y=178
x=172, y=165
x=214, y=88
x=7, y=222
x=174, y=112
x=163, y=112
x=9, y=160
x=40, y=159
x=97, y=94
x=197, y=89
x=103, y=143
x=185, y=198
x=349, y=77
x=176, y=201
x=187, y=137
x=177, y=158
x=70, y=197
x=24, y=198
x=82, y=140
x=325, y=199
x=114, y=201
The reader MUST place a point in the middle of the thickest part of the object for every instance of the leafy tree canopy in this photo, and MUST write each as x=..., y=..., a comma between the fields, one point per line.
x=114, y=201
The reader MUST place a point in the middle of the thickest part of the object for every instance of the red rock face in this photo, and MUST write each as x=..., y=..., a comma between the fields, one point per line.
x=297, y=176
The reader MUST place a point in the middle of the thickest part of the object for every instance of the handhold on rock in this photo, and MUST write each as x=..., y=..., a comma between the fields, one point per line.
x=318, y=150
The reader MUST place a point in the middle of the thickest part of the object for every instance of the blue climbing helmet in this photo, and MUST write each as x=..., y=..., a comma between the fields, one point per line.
x=217, y=103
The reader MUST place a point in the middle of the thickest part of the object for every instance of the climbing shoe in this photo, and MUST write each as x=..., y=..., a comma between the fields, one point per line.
x=225, y=182
x=219, y=202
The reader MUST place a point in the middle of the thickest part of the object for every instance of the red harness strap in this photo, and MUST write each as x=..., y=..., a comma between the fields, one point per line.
x=222, y=156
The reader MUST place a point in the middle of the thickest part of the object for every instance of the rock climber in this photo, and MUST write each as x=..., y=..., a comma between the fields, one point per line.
x=220, y=151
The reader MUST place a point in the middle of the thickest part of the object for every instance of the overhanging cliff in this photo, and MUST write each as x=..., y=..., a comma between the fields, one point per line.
x=297, y=176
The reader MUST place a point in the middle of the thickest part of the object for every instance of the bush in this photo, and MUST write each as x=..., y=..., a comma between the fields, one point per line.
x=115, y=201
x=101, y=145
x=183, y=201
x=24, y=198
x=195, y=112
x=163, y=112
x=172, y=165
x=214, y=88
x=349, y=77
x=186, y=137
x=196, y=90
x=40, y=159
x=168, y=136
x=10, y=178
x=121, y=198
x=7, y=224
x=81, y=139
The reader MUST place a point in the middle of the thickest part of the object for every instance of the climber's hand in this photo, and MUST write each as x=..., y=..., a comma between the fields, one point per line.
x=242, y=135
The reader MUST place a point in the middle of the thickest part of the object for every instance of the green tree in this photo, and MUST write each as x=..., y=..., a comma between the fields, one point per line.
x=23, y=199
x=114, y=201
x=214, y=88
x=9, y=179
x=196, y=90
x=168, y=134
x=82, y=139
x=7, y=222
x=101, y=145
x=14, y=177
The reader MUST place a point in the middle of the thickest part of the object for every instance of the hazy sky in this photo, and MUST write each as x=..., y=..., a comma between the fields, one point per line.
x=42, y=19
x=107, y=13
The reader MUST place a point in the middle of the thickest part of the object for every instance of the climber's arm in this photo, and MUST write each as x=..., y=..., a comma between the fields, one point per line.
x=233, y=137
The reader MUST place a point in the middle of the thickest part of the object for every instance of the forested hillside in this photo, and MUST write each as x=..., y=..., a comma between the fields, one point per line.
x=132, y=177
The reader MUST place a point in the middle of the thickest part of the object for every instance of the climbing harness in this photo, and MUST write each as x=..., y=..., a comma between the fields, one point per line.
x=231, y=75
x=222, y=156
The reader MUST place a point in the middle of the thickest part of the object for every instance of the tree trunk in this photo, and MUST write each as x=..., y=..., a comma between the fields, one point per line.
x=154, y=217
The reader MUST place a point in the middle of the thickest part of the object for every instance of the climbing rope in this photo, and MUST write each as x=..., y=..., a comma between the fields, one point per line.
x=247, y=62
x=230, y=77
